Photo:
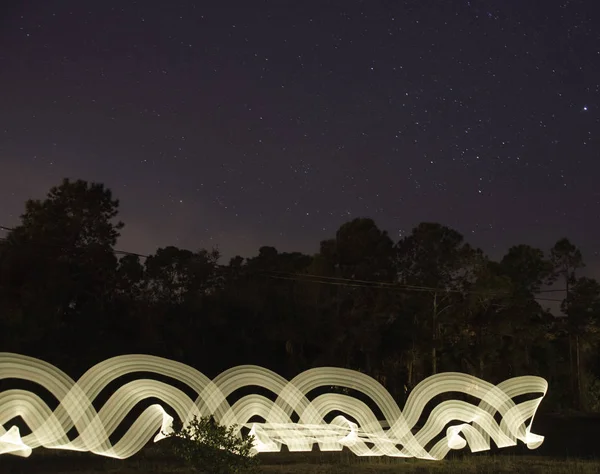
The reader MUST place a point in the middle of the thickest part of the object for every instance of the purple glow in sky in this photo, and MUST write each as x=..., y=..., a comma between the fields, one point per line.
x=250, y=123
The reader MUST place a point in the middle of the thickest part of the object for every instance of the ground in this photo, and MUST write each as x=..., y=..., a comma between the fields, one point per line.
x=149, y=461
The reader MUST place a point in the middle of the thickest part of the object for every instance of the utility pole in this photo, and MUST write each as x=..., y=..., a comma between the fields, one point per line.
x=436, y=312
x=434, y=335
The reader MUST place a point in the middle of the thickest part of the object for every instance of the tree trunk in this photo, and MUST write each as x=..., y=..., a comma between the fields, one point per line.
x=573, y=367
x=480, y=350
x=434, y=335
x=410, y=367
x=578, y=373
x=367, y=355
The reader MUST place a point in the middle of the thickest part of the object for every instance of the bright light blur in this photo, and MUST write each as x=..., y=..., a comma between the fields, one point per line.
x=455, y=424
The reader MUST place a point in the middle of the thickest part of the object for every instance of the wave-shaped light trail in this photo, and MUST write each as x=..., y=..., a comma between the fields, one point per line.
x=360, y=430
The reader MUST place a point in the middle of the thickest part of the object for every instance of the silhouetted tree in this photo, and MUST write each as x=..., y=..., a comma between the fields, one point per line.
x=566, y=259
x=57, y=269
x=399, y=312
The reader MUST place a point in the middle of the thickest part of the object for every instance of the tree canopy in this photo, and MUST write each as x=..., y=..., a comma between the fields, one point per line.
x=398, y=311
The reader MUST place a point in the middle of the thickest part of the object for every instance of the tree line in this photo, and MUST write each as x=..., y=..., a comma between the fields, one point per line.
x=398, y=311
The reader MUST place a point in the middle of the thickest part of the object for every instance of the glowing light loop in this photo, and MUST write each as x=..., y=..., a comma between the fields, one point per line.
x=360, y=430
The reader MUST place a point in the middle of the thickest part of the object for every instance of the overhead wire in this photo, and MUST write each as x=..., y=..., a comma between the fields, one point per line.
x=115, y=251
x=398, y=287
x=349, y=282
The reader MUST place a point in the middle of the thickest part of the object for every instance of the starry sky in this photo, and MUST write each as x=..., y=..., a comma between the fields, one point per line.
x=254, y=122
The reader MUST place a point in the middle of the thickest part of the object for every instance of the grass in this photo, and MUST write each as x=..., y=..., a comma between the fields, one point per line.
x=479, y=464
x=151, y=461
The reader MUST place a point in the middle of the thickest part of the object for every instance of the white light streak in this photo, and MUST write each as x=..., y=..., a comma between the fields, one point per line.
x=396, y=435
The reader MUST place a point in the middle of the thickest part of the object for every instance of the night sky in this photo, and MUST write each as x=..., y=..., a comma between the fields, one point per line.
x=249, y=123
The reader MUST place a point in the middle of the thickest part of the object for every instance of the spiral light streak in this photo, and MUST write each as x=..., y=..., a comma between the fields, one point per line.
x=360, y=430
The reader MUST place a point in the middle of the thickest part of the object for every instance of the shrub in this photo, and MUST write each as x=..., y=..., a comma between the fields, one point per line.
x=207, y=446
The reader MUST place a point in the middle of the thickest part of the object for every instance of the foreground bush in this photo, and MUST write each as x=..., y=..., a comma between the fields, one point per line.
x=206, y=446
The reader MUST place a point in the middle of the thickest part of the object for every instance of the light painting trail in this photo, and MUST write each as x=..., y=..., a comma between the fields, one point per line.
x=360, y=430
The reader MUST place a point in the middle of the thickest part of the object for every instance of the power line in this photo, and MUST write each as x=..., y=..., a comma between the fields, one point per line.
x=390, y=286
x=115, y=251
x=399, y=285
x=323, y=279
x=374, y=283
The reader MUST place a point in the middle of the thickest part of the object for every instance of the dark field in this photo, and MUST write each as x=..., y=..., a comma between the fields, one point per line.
x=571, y=446
x=84, y=463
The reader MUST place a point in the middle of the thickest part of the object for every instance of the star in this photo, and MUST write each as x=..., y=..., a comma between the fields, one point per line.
x=419, y=112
